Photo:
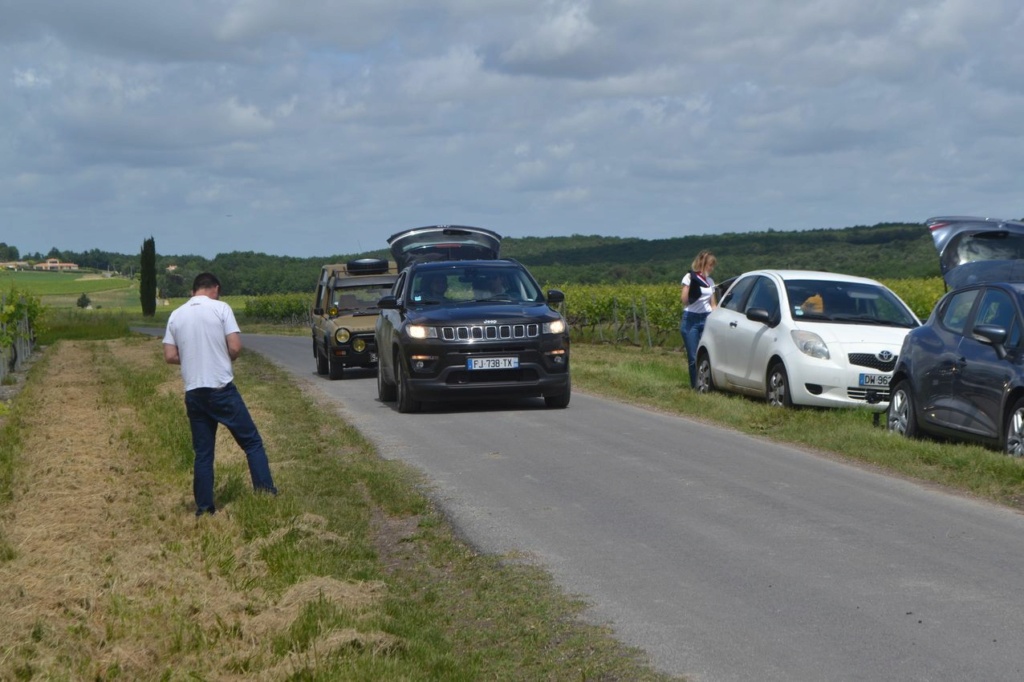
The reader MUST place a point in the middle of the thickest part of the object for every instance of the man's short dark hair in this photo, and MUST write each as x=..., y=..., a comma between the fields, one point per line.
x=205, y=280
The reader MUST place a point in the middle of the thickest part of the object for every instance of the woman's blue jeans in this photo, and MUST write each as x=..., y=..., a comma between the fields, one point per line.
x=208, y=407
x=691, y=328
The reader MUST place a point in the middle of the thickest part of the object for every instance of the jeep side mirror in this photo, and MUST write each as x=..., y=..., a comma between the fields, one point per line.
x=387, y=303
x=555, y=296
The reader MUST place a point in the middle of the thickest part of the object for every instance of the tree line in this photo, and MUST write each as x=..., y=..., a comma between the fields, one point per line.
x=885, y=250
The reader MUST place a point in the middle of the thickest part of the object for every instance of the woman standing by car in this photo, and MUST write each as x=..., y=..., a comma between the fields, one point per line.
x=698, y=298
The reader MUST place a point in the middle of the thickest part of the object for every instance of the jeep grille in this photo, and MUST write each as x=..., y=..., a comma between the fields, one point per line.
x=490, y=332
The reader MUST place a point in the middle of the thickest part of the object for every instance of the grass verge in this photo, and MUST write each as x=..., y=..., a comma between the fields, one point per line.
x=658, y=379
x=349, y=573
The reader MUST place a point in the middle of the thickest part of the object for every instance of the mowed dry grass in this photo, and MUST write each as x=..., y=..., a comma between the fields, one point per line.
x=113, y=576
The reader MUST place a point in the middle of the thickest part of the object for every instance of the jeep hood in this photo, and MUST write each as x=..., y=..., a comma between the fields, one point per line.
x=443, y=242
x=978, y=249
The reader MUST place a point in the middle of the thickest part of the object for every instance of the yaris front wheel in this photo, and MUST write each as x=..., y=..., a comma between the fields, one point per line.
x=778, y=386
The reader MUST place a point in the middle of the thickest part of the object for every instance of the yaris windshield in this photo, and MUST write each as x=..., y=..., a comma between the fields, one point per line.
x=847, y=302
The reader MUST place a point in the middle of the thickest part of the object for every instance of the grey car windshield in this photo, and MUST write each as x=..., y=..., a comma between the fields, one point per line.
x=851, y=302
x=465, y=284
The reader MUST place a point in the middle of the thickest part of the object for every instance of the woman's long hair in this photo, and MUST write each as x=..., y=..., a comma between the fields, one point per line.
x=703, y=260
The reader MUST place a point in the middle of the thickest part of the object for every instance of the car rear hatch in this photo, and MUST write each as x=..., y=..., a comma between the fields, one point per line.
x=978, y=249
x=444, y=242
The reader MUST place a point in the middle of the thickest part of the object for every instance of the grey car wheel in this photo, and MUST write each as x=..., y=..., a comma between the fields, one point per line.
x=1014, y=441
x=778, y=386
x=705, y=382
x=901, y=418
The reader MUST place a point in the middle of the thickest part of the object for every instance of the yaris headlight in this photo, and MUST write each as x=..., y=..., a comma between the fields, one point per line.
x=811, y=344
x=418, y=331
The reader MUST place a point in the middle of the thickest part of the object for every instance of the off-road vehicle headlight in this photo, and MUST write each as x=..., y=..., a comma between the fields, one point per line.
x=342, y=335
x=556, y=327
x=418, y=331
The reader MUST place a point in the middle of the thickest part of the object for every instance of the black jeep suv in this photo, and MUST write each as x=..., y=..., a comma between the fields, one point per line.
x=456, y=328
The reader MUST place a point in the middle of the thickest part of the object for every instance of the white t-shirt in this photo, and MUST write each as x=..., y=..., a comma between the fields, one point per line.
x=199, y=329
x=707, y=289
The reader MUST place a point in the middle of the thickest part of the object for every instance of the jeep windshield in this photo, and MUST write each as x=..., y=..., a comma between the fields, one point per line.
x=474, y=284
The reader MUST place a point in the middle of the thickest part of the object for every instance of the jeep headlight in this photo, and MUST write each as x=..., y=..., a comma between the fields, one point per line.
x=342, y=335
x=418, y=331
x=555, y=327
x=811, y=344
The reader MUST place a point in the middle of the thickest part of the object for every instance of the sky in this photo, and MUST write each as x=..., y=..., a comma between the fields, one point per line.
x=319, y=127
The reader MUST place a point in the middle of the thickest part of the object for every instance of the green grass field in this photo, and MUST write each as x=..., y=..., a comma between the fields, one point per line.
x=63, y=289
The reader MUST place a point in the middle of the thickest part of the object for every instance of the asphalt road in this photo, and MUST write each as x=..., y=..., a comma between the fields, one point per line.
x=724, y=557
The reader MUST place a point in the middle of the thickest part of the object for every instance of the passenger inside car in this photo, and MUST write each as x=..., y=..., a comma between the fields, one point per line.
x=433, y=287
x=494, y=285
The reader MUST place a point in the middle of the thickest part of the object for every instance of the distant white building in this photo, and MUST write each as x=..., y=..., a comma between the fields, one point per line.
x=55, y=264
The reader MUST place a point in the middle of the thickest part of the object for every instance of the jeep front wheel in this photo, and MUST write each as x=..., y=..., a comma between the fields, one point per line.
x=406, y=403
x=385, y=391
x=561, y=400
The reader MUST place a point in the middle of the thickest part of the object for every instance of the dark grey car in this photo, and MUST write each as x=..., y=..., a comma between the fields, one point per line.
x=961, y=374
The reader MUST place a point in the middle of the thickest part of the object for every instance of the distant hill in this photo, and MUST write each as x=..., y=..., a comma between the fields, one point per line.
x=886, y=250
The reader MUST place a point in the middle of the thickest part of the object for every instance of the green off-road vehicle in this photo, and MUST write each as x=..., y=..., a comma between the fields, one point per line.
x=345, y=311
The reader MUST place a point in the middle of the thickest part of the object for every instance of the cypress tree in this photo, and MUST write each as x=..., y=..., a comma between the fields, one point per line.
x=147, y=278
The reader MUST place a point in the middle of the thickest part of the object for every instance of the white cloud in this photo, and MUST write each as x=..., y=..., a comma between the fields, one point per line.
x=358, y=118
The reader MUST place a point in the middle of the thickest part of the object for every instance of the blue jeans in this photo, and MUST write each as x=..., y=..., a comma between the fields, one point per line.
x=691, y=328
x=206, y=408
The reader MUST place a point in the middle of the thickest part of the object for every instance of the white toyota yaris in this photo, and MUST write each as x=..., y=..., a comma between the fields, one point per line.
x=801, y=337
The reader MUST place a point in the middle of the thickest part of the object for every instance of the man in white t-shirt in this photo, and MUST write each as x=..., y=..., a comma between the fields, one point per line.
x=203, y=337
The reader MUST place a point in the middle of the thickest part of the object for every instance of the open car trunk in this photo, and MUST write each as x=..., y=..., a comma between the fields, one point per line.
x=443, y=242
x=978, y=249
